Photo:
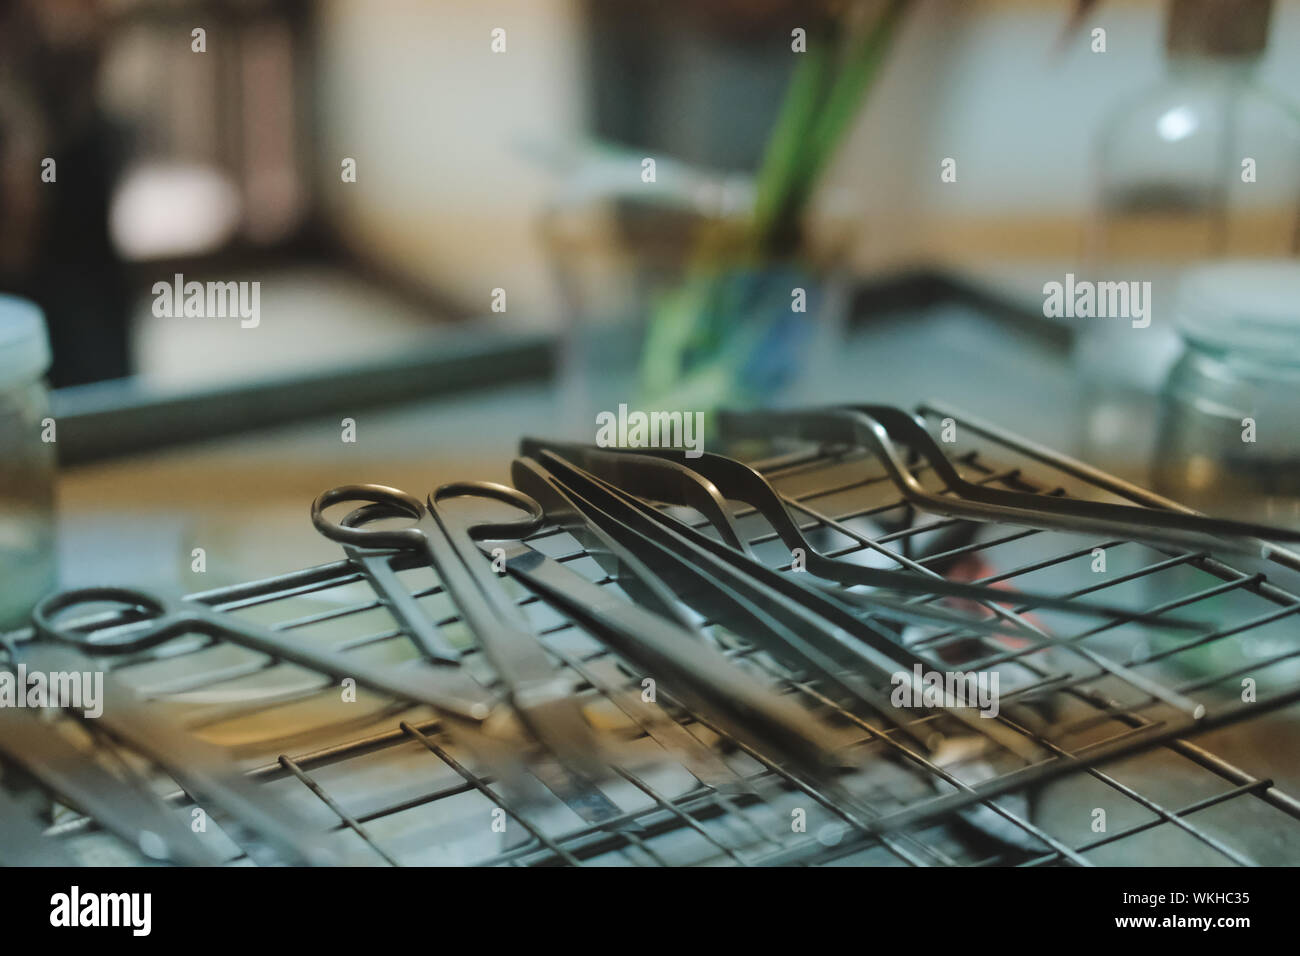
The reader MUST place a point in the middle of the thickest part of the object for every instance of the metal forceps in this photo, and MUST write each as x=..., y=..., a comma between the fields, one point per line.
x=825, y=607
x=1151, y=687
x=696, y=671
x=202, y=770
x=704, y=482
x=873, y=426
x=167, y=619
x=741, y=482
x=803, y=628
x=541, y=696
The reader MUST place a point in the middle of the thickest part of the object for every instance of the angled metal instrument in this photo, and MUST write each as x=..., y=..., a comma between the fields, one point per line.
x=540, y=695
x=667, y=476
x=615, y=559
x=682, y=664
x=735, y=602
x=267, y=831
x=744, y=484
x=706, y=766
x=49, y=760
x=134, y=813
x=813, y=629
x=856, y=426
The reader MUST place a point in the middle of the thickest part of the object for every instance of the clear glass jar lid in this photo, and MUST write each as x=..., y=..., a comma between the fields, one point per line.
x=24, y=344
x=1247, y=308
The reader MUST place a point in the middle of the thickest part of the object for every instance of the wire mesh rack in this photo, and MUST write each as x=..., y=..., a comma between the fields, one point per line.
x=1088, y=760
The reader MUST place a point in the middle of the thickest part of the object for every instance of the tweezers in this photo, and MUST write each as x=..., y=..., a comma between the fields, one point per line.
x=870, y=426
x=636, y=470
x=709, y=479
x=797, y=624
x=619, y=562
x=694, y=671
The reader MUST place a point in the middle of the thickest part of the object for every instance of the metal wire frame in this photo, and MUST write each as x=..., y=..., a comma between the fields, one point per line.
x=1079, y=711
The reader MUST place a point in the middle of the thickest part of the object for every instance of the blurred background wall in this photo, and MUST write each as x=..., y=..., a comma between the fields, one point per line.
x=987, y=82
x=445, y=134
x=226, y=161
x=221, y=156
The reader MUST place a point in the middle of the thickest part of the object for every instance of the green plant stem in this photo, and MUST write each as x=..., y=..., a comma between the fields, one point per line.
x=784, y=196
x=826, y=92
x=794, y=124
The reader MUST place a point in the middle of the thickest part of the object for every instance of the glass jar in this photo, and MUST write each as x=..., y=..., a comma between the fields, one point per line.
x=1229, y=445
x=654, y=323
x=27, y=566
x=1229, y=440
x=1203, y=165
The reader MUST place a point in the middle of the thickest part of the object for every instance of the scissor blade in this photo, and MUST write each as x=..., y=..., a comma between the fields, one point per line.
x=133, y=813
x=540, y=694
x=445, y=690
x=269, y=832
x=22, y=839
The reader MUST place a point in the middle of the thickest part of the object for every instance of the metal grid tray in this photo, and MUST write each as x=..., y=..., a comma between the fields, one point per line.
x=1101, y=714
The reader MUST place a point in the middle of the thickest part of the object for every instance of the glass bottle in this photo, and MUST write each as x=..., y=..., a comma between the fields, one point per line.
x=1204, y=165
x=1229, y=439
x=27, y=567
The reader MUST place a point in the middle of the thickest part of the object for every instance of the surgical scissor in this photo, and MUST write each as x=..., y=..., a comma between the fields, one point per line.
x=167, y=619
x=524, y=563
x=541, y=696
